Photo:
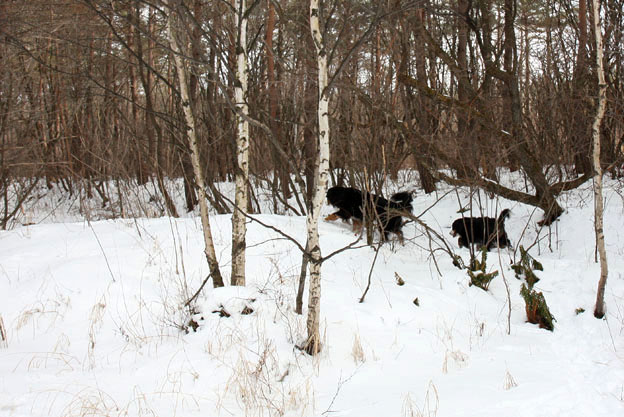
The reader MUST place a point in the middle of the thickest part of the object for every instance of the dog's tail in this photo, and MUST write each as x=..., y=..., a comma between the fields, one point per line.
x=403, y=200
x=505, y=214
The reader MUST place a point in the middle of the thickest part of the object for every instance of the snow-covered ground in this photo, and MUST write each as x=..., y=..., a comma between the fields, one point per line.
x=94, y=315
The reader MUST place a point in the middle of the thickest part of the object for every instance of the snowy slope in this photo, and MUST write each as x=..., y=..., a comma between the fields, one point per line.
x=93, y=312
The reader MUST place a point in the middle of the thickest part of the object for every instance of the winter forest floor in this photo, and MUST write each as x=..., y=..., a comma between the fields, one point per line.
x=93, y=308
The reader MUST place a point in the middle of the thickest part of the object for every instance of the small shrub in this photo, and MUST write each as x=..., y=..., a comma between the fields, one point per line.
x=476, y=271
x=194, y=320
x=536, y=308
x=222, y=312
x=192, y=324
x=526, y=267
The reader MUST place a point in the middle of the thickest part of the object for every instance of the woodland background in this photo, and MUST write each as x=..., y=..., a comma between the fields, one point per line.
x=454, y=90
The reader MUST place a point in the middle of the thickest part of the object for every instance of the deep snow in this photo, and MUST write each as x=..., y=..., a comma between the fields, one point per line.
x=93, y=313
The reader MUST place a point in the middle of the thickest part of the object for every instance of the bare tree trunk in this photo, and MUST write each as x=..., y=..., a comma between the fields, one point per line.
x=427, y=180
x=463, y=7
x=599, y=310
x=580, y=142
x=280, y=170
x=313, y=343
x=241, y=197
x=522, y=152
x=187, y=168
x=151, y=124
x=581, y=56
x=301, y=288
x=209, y=250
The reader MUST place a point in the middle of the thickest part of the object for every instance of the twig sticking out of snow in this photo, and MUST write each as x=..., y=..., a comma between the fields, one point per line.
x=4, y=342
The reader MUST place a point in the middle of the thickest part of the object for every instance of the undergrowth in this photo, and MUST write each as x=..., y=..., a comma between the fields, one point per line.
x=536, y=308
x=477, y=274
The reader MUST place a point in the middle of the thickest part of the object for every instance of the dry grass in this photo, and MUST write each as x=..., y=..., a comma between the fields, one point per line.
x=357, y=351
x=4, y=341
x=509, y=381
x=95, y=323
x=430, y=405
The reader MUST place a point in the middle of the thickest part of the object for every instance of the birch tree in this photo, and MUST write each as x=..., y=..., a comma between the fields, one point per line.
x=242, y=146
x=191, y=133
x=599, y=310
x=312, y=345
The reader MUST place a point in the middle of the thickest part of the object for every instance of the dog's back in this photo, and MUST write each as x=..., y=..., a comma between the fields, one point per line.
x=353, y=203
x=389, y=212
x=482, y=230
x=338, y=196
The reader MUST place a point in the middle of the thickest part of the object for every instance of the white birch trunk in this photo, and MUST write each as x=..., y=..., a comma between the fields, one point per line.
x=242, y=147
x=599, y=310
x=314, y=298
x=189, y=118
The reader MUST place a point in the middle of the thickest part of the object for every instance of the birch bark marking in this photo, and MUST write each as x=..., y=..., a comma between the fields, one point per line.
x=242, y=146
x=599, y=310
x=189, y=118
x=314, y=299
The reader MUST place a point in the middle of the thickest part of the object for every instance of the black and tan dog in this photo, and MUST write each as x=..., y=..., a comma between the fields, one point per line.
x=484, y=231
x=352, y=205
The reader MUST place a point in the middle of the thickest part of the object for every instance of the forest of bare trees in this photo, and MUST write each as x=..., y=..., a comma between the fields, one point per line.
x=89, y=93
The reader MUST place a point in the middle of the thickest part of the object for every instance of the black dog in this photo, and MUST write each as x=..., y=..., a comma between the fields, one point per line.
x=348, y=201
x=353, y=203
x=486, y=231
